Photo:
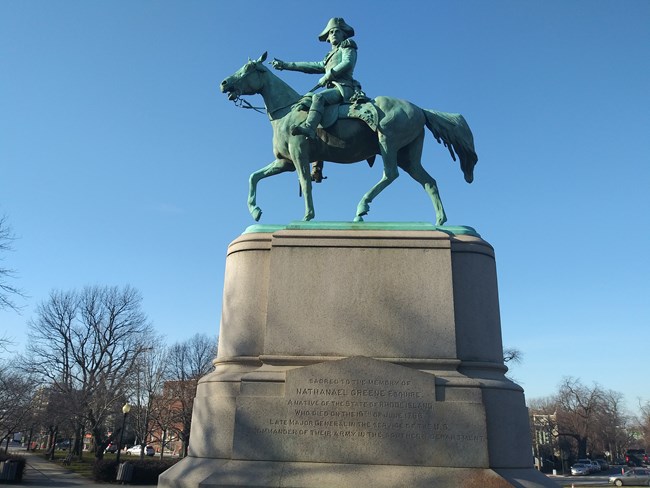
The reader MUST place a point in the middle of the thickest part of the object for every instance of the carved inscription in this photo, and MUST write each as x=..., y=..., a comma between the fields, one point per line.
x=360, y=410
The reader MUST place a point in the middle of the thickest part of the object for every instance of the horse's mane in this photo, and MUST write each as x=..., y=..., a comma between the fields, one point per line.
x=280, y=88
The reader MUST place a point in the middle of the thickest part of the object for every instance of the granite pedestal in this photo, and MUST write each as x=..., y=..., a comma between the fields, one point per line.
x=359, y=355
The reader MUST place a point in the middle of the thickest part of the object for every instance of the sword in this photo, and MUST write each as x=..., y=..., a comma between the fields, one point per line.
x=315, y=88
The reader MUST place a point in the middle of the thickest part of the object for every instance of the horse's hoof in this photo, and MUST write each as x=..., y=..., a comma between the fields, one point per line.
x=256, y=213
x=308, y=217
x=363, y=210
x=440, y=222
x=358, y=218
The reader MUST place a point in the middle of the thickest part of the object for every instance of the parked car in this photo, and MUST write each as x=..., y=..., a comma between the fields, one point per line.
x=111, y=448
x=636, y=457
x=63, y=445
x=604, y=465
x=595, y=465
x=137, y=449
x=632, y=477
x=592, y=465
x=579, y=469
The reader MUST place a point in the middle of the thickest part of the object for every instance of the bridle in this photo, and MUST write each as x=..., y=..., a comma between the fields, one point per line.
x=243, y=103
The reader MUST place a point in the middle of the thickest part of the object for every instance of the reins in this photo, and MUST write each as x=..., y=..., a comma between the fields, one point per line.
x=241, y=103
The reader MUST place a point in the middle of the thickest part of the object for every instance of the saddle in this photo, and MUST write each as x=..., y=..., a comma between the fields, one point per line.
x=361, y=107
x=365, y=111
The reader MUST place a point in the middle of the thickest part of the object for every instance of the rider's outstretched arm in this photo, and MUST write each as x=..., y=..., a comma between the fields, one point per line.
x=303, y=66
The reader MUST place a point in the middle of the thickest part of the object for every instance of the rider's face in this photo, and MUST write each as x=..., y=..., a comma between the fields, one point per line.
x=335, y=36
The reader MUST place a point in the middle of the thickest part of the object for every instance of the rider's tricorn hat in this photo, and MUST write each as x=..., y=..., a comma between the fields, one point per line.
x=336, y=22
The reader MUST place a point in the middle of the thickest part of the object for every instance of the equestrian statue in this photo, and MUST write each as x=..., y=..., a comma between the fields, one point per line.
x=340, y=124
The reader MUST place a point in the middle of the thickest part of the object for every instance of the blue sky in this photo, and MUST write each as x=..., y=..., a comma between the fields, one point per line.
x=121, y=163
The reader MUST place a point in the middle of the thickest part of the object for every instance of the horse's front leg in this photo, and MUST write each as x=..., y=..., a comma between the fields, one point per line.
x=276, y=167
x=299, y=150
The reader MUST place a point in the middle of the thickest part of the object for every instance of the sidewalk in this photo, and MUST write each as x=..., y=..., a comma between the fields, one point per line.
x=40, y=473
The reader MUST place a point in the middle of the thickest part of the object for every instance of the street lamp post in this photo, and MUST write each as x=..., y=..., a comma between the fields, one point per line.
x=125, y=410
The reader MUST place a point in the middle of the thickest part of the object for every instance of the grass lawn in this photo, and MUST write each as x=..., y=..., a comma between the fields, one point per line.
x=84, y=466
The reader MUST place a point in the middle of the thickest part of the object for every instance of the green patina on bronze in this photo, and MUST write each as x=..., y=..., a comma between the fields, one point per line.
x=451, y=230
x=337, y=68
x=346, y=136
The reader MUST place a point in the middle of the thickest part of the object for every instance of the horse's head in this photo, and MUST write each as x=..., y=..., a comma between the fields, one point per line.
x=247, y=80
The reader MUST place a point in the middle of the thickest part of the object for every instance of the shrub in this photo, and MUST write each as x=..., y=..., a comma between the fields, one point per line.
x=145, y=471
x=105, y=470
x=20, y=469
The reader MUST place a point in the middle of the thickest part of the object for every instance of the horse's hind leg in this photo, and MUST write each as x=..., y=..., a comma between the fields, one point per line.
x=276, y=167
x=389, y=155
x=413, y=166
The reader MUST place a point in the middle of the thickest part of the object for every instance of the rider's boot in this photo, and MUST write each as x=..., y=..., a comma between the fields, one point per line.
x=317, y=172
x=308, y=129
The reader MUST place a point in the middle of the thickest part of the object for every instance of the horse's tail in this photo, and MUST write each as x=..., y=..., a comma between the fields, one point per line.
x=452, y=131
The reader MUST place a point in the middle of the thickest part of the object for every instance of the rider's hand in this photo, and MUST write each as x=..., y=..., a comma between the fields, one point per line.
x=278, y=64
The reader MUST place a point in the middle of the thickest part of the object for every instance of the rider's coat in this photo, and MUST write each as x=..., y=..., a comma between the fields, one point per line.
x=338, y=65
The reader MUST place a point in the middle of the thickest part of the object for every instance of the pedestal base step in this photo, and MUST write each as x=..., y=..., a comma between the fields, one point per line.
x=225, y=473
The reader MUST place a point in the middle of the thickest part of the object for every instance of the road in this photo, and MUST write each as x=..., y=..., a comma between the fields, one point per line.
x=595, y=479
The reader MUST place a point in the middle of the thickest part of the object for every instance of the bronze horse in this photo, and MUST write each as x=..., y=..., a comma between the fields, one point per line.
x=399, y=139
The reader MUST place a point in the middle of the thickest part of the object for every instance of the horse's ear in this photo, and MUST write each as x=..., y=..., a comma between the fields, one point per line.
x=263, y=57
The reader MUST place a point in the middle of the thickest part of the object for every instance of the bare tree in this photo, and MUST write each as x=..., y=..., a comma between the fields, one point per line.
x=590, y=419
x=53, y=413
x=512, y=356
x=149, y=381
x=642, y=424
x=86, y=345
x=611, y=424
x=5, y=343
x=44, y=417
x=645, y=420
x=16, y=391
x=577, y=409
x=7, y=291
x=188, y=362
